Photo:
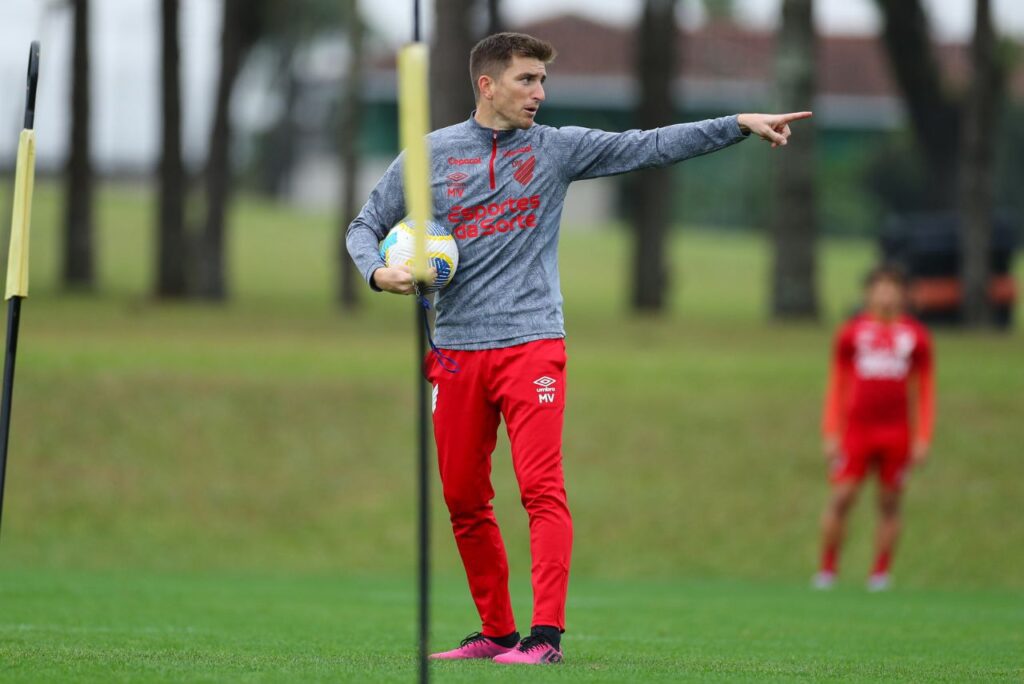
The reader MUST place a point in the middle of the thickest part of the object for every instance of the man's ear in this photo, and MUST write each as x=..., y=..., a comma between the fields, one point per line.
x=485, y=84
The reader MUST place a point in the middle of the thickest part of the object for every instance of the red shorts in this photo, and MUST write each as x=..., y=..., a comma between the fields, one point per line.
x=886, y=449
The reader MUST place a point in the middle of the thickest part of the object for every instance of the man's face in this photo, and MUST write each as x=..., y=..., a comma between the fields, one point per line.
x=885, y=298
x=515, y=96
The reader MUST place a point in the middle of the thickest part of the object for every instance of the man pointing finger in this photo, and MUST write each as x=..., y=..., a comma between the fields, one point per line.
x=499, y=181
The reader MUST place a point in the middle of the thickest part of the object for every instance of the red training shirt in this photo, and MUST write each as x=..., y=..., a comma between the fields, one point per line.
x=873, y=363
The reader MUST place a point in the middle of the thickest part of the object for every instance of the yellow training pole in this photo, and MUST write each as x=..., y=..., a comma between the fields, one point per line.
x=414, y=124
x=17, y=263
x=21, y=220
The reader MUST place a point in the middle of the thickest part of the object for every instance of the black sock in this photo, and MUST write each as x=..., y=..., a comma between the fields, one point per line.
x=552, y=635
x=507, y=641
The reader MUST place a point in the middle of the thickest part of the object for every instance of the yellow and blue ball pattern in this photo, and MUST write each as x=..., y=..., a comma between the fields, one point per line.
x=398, y=246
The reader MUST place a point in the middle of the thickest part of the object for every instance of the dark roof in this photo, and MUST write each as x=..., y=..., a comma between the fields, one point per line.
x=722, y=67
x=722, y=51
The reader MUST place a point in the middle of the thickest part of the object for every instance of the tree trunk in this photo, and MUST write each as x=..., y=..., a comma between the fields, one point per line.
x=350, y=281
x=78, y=236
x=494, y=21
x=172, y=267
x=977, y=171
x=656, y=64
x=720, y=10
x=280, y=160
x=936, y=118
x=795, y=224
x=450, y=99
x=210, y=255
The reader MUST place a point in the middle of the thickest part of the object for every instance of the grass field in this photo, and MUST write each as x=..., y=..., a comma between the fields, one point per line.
x=62, y=627
x=225, y=493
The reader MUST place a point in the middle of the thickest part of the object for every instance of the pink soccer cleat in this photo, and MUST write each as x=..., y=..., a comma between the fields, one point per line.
x=533, y=650
x=476, y=645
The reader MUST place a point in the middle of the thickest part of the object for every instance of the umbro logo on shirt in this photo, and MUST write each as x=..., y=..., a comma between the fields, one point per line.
x=456, y=183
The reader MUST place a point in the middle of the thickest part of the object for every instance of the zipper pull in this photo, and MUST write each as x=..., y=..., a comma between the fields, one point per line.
x=494, y=153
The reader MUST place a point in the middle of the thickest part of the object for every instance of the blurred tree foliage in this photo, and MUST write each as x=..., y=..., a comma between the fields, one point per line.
x=895, y=175
x=290, y=27
x=917, y=169
x=1009, y=177
x=278, y=28
x=954, y=132
x=720, y=10
x=935, y=110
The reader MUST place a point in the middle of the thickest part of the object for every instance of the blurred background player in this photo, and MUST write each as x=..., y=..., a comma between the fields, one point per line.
x=878, y=356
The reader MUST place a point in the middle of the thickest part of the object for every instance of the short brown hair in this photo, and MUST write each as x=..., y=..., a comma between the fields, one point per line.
x=892, y=273
x=493, y=54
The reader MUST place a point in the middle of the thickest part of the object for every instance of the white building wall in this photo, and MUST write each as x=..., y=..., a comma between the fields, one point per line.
x=125, y=78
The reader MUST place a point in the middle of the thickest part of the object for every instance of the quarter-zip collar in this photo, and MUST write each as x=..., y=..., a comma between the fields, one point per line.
x=495, y=140
x=486, y=134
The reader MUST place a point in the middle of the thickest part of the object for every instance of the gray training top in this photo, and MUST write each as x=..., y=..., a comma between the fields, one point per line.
x=500, y=193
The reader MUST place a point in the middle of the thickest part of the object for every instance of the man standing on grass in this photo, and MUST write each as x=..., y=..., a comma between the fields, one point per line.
x=498, y=182
x=877, y=356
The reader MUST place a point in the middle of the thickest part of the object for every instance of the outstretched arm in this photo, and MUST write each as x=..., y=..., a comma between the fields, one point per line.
x=591, y=153
x=771, y=127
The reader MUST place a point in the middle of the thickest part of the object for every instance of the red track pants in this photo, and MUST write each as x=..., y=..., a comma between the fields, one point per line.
x=525, y=384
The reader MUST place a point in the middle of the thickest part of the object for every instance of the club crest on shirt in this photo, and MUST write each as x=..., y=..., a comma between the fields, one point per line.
x=524, y=169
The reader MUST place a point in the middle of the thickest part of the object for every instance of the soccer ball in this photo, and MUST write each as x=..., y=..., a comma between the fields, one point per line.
x=397, y=248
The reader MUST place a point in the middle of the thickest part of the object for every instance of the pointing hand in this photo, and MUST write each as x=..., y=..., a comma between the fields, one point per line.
x=771, y=127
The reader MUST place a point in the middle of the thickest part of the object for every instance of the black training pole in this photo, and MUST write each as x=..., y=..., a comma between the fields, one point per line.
x=17, y=263
x=13, y=318
x=424, y=497
x=423, y=460
x=416, y=21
